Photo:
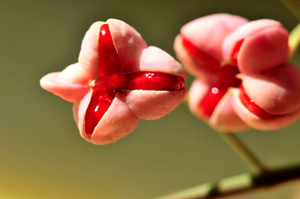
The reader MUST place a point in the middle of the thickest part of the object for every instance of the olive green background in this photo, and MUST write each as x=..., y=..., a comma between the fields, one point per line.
x=42, y=155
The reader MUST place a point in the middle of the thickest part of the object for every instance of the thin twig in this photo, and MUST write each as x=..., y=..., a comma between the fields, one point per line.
x=244, y=152
x=239, y=185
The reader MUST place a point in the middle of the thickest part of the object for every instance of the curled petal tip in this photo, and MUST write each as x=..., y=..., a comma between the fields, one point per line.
x=59, y=86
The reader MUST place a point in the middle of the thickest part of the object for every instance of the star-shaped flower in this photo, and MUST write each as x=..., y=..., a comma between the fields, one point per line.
x=243, y=75
x=117, y=81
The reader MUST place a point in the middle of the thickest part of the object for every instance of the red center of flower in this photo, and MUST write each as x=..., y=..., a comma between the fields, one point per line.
x=111, y=80
x=226, y=78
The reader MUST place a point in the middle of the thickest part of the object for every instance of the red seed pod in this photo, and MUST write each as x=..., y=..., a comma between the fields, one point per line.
x=220, y=48
x=119, y=80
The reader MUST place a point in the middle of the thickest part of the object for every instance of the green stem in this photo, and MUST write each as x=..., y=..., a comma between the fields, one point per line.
x=240, y=148
x=244, y=152
x=239, y=185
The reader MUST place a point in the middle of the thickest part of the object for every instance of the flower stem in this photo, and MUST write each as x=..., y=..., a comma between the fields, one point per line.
x=244, y=152
x=240, y=148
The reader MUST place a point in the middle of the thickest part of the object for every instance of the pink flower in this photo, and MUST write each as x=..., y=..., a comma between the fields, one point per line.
x=117, y=80
x=243, y=75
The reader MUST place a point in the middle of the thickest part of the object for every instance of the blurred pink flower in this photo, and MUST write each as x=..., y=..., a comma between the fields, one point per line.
x=117, y=80
x=243, y=78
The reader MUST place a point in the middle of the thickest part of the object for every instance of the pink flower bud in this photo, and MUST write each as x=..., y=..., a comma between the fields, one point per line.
x=117, y=81
x=243, y=76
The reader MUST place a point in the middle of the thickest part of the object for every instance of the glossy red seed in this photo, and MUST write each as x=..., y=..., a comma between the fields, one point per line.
x=201, y=57
x=153, y=81
x=235, y=51
x=103, y=92
x=114, y=82
x=109, y=62
x=99, y=104
x=215, y=94
x=252, y=107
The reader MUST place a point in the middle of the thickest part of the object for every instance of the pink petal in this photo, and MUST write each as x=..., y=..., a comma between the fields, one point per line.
x=207, y=33
x=277, y=91
x=71, y=85
x=152, y=105
x=258, y=123
x=128, y=42
x=116, y=123
x=257, y=46
x=224, y=117
x=154, y=59
x=89, y=53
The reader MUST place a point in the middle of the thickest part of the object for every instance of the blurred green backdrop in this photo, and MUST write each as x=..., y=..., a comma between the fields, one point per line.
x=42, y=155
